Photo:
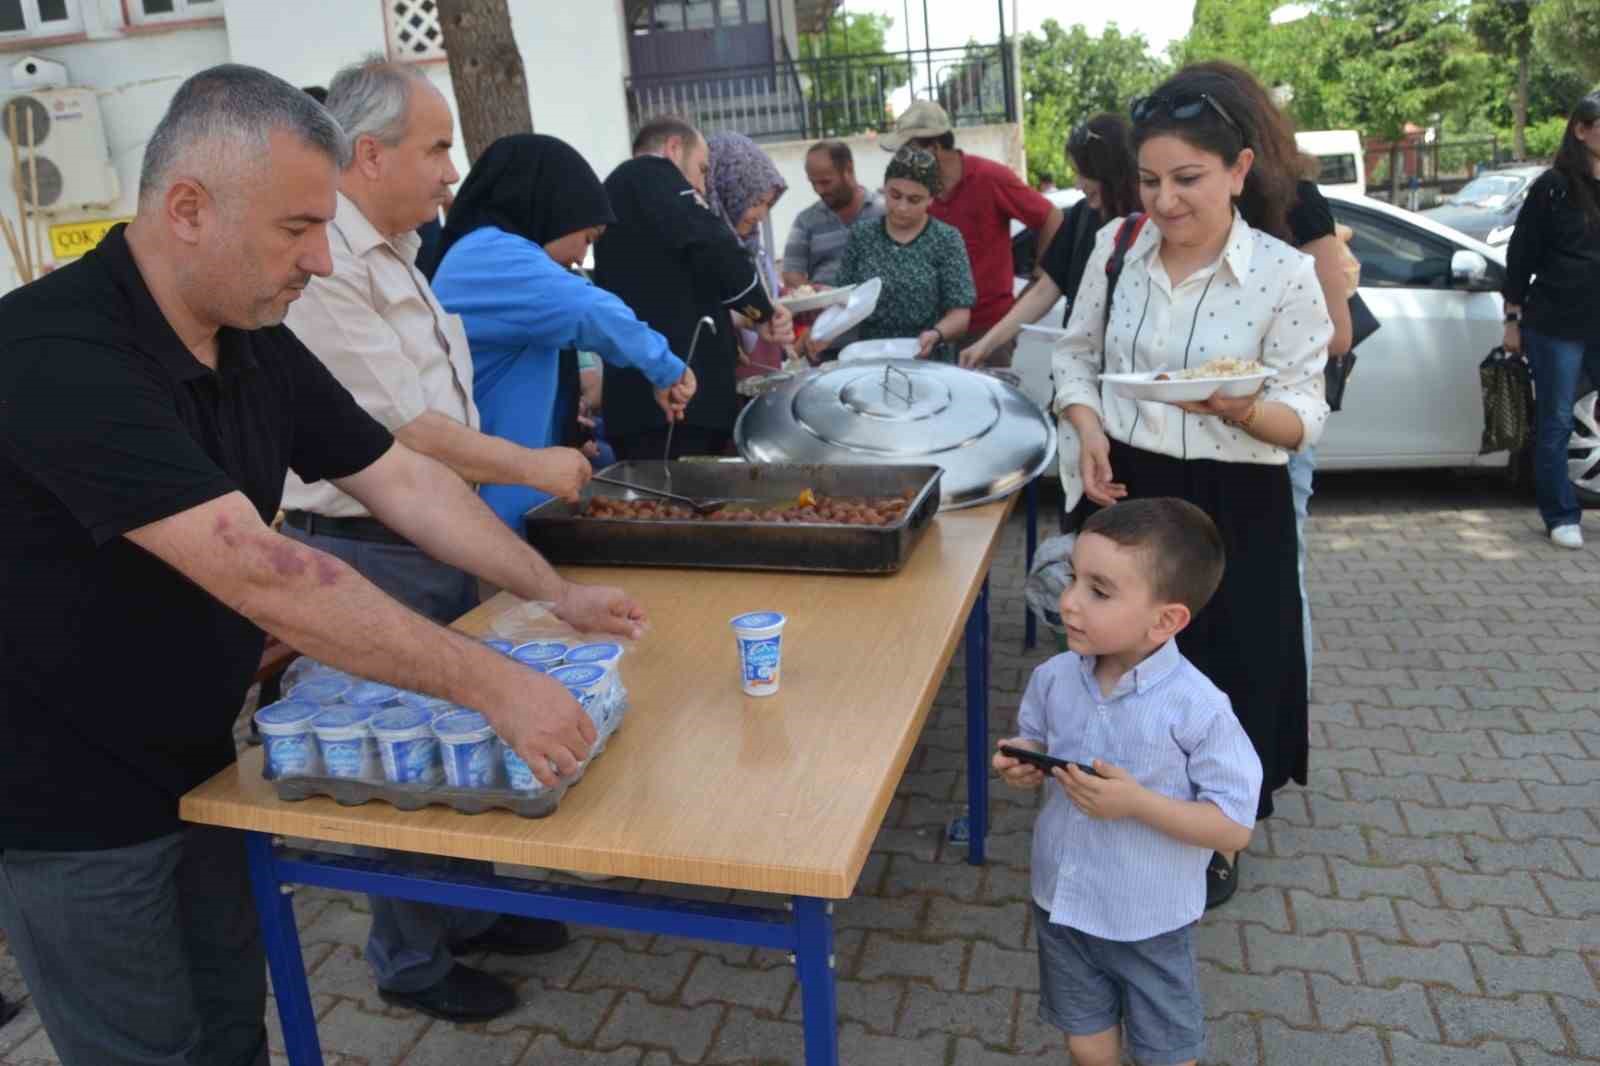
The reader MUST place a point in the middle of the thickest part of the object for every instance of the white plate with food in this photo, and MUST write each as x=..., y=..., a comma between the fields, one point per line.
x=1231, y=377
x=807, y=298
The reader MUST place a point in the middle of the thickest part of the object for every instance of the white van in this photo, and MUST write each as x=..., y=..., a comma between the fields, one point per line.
x=1344, y=164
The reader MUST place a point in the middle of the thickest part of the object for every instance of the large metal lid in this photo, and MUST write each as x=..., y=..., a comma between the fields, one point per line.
x=990, y=438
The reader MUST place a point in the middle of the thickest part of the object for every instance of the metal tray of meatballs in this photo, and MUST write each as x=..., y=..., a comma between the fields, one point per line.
x=855, y=519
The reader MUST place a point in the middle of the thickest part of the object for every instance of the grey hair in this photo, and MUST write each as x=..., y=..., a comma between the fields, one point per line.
x=227, y=114
x=372, y=98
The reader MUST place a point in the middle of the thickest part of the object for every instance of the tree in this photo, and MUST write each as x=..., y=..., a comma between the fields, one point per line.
x=486, y=72
x=1569, y=31
x=1504, y=28
x=850, y=74
x=1067, y=76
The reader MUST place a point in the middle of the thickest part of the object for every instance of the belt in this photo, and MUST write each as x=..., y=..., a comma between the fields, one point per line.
x=364, y=529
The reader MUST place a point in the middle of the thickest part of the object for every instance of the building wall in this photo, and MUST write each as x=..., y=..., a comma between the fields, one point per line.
x=1002, y=143
x=134, y=74
x=574, y=55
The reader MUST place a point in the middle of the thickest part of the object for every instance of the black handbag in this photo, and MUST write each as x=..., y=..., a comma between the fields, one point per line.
x=1336, y=373
x=1507, y=402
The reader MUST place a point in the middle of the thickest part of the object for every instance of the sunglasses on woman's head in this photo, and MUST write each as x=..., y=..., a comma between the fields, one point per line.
x=1185, y=107
x=916, y=157
x=1081, y=136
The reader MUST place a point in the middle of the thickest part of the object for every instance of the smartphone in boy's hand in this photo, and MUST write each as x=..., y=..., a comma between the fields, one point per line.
x=1044, y=763
x=1013, y=770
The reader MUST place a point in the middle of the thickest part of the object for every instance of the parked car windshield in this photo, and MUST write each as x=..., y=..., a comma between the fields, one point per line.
x=1489, y=190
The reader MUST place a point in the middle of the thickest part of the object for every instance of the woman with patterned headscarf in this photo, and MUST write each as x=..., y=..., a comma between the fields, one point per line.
x=928, y=291
x=743, y=185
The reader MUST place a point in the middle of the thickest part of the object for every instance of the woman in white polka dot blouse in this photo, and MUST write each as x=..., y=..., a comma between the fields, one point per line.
x=1210, y=276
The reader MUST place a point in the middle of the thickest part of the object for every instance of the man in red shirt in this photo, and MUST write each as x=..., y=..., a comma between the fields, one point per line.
x=980, y=198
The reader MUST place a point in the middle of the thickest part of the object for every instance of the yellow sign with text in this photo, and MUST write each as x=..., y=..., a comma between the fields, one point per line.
x=71, y=239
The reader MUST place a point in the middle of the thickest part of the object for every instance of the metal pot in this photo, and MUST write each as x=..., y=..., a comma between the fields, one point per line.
x=988, y=437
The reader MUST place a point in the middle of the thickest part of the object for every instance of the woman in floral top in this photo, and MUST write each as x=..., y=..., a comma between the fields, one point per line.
x=927, y=282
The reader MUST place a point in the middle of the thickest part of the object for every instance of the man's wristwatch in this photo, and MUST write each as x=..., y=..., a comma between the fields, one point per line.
x=1513, y=317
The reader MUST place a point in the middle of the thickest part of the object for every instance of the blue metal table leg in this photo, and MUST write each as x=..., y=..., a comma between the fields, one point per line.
x=1030, y=624
x=275, y=911
x=977, y=638
x=815, y=962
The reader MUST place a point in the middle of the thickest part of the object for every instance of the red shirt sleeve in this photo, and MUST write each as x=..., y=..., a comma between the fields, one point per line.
x=1017, y=200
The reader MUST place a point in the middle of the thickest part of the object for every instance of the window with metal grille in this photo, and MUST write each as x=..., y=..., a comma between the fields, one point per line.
x=414, y=33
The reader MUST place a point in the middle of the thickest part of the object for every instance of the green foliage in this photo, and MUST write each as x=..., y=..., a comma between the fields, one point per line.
x=1569, y=31
x=1068, y=75
x=1545, y=137
x=855, y=95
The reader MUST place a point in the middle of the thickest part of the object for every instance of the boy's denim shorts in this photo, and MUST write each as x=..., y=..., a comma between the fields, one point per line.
x=1087, y=985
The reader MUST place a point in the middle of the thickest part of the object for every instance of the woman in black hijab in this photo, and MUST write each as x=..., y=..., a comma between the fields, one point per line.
x=523, y=220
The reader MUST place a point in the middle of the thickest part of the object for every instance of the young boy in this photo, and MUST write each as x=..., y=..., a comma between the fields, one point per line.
x=1119, y=856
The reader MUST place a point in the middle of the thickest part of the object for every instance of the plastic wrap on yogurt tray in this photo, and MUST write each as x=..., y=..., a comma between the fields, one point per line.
x=356, y=740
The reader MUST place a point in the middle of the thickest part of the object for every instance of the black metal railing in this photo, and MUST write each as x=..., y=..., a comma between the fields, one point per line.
x=830, y=96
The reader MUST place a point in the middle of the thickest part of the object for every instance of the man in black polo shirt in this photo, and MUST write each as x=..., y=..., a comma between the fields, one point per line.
x=151, y=404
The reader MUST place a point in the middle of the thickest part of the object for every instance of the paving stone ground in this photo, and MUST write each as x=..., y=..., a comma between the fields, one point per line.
x=1430, y=898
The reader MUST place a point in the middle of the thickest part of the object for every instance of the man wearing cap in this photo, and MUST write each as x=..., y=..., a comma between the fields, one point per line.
x=980, y=198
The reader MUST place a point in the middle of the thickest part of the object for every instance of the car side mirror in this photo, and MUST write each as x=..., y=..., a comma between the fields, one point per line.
x=1468, y=269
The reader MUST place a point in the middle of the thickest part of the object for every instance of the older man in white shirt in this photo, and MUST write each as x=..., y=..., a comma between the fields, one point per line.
x=376, y=325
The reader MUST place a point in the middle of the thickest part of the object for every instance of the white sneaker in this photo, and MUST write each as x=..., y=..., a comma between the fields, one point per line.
x=1567, y=536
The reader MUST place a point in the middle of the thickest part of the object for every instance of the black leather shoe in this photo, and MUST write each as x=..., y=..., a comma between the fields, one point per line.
x=510, y=935
x=1222, y=879
x=464, y=995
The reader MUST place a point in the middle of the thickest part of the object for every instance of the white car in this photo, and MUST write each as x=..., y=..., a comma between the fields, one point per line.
x=1414, y=399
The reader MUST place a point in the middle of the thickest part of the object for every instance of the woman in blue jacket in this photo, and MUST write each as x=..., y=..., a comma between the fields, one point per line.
x=523, y=220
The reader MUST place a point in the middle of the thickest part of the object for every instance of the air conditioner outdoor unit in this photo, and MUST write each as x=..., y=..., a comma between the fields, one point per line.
x=69, y=159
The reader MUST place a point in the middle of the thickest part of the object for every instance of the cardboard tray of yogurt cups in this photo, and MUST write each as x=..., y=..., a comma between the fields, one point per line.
x=356, y=741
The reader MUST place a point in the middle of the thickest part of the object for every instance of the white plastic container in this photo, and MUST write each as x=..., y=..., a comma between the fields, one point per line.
x=344, y=737
x=542, y=655
x=288, y=740
x=518, y=776
x=468, y=750
x=433, y=705
x=588, y=684
x=759, y=635
x=372, y=694
x=608, y=654
x=407, y=746
x=325, y=689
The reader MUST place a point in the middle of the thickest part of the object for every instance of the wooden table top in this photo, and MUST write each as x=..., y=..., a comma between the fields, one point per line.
x=703, y=785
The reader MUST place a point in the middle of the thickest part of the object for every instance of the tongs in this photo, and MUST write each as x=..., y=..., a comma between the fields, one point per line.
x=699, y=506
x=666, y=454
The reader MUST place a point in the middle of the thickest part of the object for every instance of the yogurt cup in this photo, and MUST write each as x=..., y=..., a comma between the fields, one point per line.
x=373, y=694
x=467, y=747
x=407, y=746
x=759, y=635
x=518, y=776
x=289, y=742
x=344, y=737
x=304, y=668
x=433, y=705
x=544, y=655
x=500, y=644
x=320, y=688
x=588, y=683
x=609, y=655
